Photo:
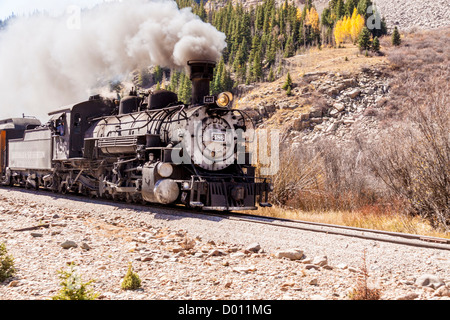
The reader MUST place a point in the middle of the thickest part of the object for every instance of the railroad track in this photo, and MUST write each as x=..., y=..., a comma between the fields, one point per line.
x=367, y=234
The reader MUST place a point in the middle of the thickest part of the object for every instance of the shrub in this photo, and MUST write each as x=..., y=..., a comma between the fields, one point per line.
x=131, y=281
x=301, y=171
x=413, y=157
x=73, y=288
x=7, y=269
x=362, y=291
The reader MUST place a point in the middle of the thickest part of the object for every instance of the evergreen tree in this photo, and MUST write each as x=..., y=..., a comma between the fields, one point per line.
x=217, y=81
x=257, y=67
x=226, y=83
x=158, y=74
x=339, y=10
x=289, y=50
x=376, y=45
x=364, y=39
x=184, y=92
x=349, y=6
x=174, y=81
x=396, y=40
x=288, y=83
x=271, y=75
x=201, y=12
x=362, y=7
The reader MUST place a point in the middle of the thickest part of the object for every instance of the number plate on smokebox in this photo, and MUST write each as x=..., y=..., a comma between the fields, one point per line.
x=218, y=137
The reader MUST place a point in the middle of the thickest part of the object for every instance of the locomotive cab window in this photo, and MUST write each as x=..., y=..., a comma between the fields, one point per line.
x=77, y=124
x=60, y=125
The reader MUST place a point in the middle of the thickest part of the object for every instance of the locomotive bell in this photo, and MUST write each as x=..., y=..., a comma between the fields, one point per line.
x=202, y=73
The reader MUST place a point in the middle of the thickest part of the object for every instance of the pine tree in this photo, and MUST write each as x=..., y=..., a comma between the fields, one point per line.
x=217, y=81
x=289, y=50
x=376, y=45
x=288, y=84
x=184, y=92
x=339, y=10
x=257, y=67
x=362, y=7
x=349, y=6
x=396, y=40
x=271, y=75
x=226, y=83
x=364, y=39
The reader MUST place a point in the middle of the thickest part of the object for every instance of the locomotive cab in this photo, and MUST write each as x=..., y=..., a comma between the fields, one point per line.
x=70, y=124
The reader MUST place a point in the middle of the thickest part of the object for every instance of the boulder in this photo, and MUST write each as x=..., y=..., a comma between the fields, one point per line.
x=300, y=125
x=291, y=254
x=429, y=280
x=320, y=261
x=69, y=244
x=339, y=107
x=354, y=93
x=316, y=113
x=254, y=247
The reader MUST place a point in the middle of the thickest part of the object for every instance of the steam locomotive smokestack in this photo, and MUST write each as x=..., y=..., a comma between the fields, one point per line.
x=202, y=73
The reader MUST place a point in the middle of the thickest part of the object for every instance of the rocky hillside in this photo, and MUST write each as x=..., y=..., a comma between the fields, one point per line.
x=406, y=14
x=335, y=92
x=410, y=14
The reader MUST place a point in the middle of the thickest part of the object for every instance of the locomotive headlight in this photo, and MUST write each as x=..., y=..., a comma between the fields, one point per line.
x=224, y=99
x=186, y=185
x=165, y=170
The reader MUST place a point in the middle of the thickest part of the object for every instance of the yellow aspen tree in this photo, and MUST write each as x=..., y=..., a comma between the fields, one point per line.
x=339, y=35
x=347, y=28
x=357, y=24
x=299, y=14
x=312, y=19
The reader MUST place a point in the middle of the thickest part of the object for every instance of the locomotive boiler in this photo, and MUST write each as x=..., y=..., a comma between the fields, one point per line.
x=148, y=148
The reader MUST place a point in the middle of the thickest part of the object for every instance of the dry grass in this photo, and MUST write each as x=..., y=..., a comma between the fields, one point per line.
x=392, y=222
x=347, y=59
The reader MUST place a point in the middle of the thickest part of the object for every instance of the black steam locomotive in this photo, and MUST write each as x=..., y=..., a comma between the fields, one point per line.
x=149, y=148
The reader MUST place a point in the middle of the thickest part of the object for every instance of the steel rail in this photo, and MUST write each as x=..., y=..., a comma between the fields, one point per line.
x=411, y=240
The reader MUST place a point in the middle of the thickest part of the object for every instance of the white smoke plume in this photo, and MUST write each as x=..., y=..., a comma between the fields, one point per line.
x=48, y=62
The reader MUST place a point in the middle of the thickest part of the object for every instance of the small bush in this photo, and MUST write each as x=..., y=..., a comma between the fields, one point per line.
x=131, y=280
x=362, y=291
x=396, y=40
x=73, y=288
x=7, y=269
